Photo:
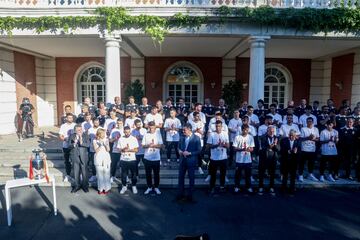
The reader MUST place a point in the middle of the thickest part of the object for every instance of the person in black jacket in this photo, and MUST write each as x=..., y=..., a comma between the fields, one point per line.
x=79, y=144
x=347, y=142
x=289, y=148
x=268, y=156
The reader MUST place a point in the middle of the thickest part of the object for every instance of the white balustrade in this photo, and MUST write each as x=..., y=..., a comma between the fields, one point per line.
x=176, y=3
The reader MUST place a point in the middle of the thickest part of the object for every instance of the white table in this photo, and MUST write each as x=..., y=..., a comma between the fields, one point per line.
x=21, y=182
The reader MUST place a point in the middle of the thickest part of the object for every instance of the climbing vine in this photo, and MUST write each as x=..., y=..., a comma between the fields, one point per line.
x=109, y=19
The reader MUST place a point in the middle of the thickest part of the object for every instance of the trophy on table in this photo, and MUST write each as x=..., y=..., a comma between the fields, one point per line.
x=38, y=165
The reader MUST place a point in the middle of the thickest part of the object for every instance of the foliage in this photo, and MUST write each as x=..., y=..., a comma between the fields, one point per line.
x=231, y=93
x=135, y=89
x=109, y=19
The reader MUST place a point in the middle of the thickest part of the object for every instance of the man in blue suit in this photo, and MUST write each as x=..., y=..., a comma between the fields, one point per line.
x=189, y=149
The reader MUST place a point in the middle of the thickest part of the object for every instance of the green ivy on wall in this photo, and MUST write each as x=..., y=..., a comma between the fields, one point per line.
x=109, y=19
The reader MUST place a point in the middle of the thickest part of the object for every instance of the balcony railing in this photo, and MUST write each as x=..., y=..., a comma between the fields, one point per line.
x=175, y=3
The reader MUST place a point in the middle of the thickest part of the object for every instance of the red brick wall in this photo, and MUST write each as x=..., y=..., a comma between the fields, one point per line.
x=300, y=70
x=341, y=72
x=155, y=68
x=25, y=72
x=65, y=71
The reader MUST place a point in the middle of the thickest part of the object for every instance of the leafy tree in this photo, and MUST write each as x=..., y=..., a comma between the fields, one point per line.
x=136, y=89
x=231, y=93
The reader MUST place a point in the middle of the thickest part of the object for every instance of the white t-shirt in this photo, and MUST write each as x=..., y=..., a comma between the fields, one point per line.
x=198, y=125
x=212, y=128
x=263, y=130
x=109, y=125
x=308, y=145
x=241, y=142
x=139, y=134
x=330, y=147
x=86, y=125
x=253, y=119
x=172, y=135
x=130, y=122
x=285, y=129
x=302, y=119
x=152, y=154
x=234, y=126
x=132, y=143
x=66, y=130
x=218, y=153
x=157, y=118
x=276, y=117
x=92, y=135
x=116, y=134
x=252, y=132
x=201, y=114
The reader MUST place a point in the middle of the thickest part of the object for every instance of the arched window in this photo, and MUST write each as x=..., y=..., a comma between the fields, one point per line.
x=277, y=80
x=184, y=80
x=91, y=83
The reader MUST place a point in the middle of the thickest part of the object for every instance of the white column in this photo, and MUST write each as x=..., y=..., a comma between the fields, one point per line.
x=112, y=68
x=257, y=69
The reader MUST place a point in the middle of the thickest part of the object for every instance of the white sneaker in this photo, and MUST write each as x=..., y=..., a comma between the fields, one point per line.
x=111, y=179
x=177, y=160
x=123, y=190
x=313, y=178
x=261, y=191
x=272, y=191
x=168, y=160
x=250, y=190
x=148, y=190
x=207, y=178
x=134, y=189
x=66, y=178
x=330, y=178
x=236, y=190
x=201, y=171
x=322, y=179
x=301, y=178
x=226, y=179
x=157, y=191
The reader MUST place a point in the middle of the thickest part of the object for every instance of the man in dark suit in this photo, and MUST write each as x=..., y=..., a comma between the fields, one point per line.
x=189, y=149
x=268, y=156
x=290, y=148
x=79, y=144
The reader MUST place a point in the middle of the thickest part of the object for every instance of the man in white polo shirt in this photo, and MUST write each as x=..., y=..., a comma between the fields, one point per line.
x=65, y=131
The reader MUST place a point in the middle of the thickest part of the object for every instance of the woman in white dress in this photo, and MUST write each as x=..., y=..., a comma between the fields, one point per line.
x=102, y=161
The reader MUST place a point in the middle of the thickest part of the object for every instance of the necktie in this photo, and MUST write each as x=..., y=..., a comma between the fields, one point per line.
x=186, y=142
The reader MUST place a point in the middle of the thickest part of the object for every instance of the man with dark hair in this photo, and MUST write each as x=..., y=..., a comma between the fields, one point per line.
x=316, y=109
x=79, y=144
x=260, y=111
x=223, y=108
x=209, y=110
x=303, y=118
x=27, y=127
x=341, y=118
x=66, y=129
x=277, y=119
x=131, y=106
x=144, y=108
x=300, y=110
x=189, y=149
x=67, y=109
x=253, y=118
x=167, y=107
x=182, y=111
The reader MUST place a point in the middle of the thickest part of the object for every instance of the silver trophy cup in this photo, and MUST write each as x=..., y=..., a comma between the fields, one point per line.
x=38, y=165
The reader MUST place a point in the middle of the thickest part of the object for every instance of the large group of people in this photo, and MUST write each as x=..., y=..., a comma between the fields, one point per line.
x=201, y=137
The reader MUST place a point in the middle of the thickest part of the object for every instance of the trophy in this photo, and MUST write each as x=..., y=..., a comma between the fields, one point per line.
x=38, y=166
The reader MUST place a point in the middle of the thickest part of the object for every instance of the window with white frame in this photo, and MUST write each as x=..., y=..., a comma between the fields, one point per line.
x=91, y=83
x=276, y=86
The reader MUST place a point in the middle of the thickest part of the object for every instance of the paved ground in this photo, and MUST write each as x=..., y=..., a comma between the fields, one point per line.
x=311, y=214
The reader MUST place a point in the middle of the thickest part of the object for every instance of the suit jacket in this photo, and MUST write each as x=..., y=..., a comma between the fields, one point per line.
x=287, y=153
x=265, y=149
x=79, y=151
x=194, y=147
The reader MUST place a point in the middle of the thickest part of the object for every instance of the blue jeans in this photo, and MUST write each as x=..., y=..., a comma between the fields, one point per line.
x=189, y=165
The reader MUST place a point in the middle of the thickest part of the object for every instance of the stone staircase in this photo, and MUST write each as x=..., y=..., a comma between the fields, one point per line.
x=14, y=163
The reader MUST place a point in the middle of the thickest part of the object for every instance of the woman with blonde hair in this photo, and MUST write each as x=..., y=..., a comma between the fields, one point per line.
x=102, y=161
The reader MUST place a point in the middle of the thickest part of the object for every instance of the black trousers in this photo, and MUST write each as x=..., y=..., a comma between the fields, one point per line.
x=139, y=158
x=231, y=154
x=115, y=158
x=331, y=160
x=127, y=166
x=246, y=167
x=347, y=157
x=289, y=166
x=169, y=147
x=307, y=156
x=80, y=167
x=91, y=164
x=66, y=152
x=152, y=167
x=213, y=167
x=267, y=162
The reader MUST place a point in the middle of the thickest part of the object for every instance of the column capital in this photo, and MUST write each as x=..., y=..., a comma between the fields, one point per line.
x=258, y=41
x=112, y=40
